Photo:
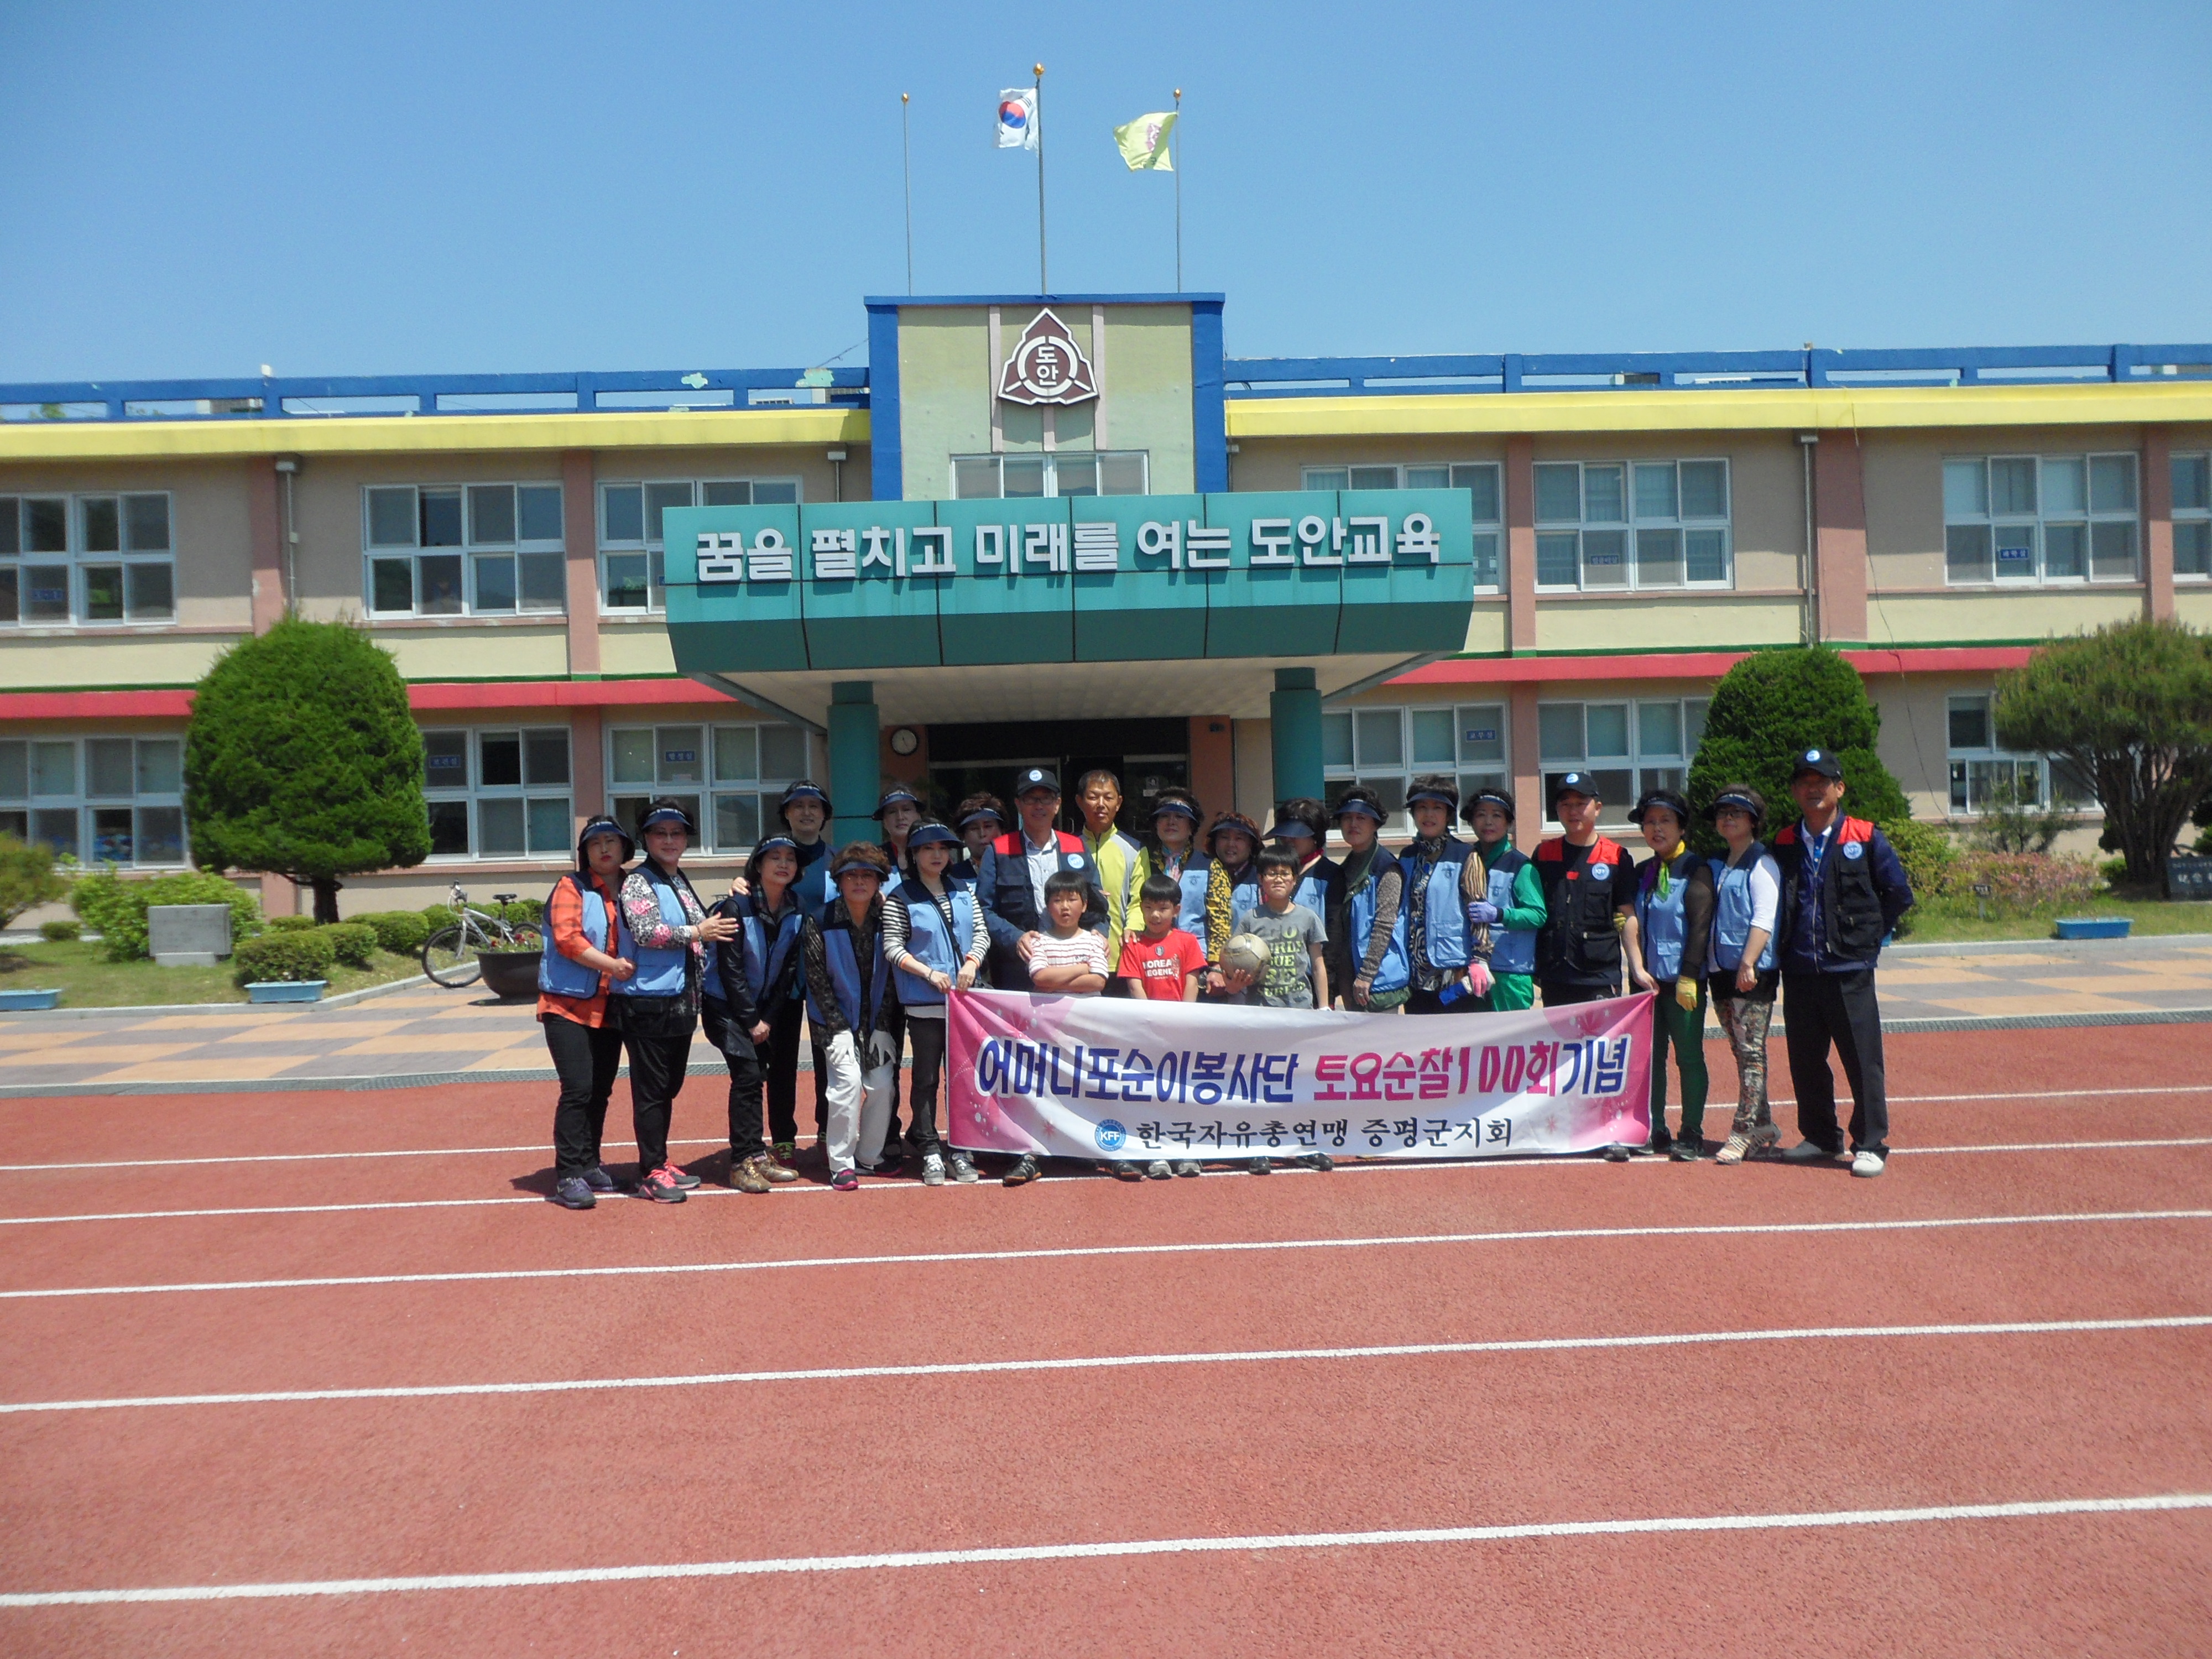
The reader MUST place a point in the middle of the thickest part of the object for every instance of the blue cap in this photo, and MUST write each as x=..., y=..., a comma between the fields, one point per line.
x=1181, y=809
x=1291, y=830
x=979, y=815
x=661, y=815
x=763, y=848
x=892, y=797
x=930, y=835
x=1364, y=805
x=603, y=825
x=1497, y=798
x=804, y=791
x=1438, y=795
x=1738, y=801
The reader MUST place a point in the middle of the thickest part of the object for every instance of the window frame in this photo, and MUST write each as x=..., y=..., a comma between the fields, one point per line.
x=1489, y=530
x=1050, y=473
x=648, y=547
x=79, y=564
x=1960, y=760
x=1472, y=769
x=2190, y=518
x=1643, y=763
x=474, y=553
x=705, y=797
x=1631, y=524
x=85, y=804
x=474, y=793
x=2039, y=523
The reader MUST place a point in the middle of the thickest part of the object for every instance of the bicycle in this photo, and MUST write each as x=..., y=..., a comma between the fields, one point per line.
x=449, y=955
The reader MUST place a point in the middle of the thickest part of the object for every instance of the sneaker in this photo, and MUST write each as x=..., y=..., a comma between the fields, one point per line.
x=1187, y=1166
x=1025, y=1169
x=1807, y=1151
x=845, y=1180
x=963, y=1169
x=932, y=1170
x=661, y=1185
x=883, y=1166
x=1314, y=1161
x=1687, y=1151
x=1868, y=1164
x=598, y=1179
x=573, y=1193
x=1121, y=1171
x=1616, y=1153
x=785, y=1151
x=777, y=1174
x=1261, y=1166
x=745, y=1175
x=682, y=1178
x=1157, y=1170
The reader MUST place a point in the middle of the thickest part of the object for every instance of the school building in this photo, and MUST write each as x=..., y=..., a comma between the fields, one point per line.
x=1070, y=531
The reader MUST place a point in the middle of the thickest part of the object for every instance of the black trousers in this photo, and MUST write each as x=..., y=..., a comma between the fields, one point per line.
x=657, y=1030
x=587, y=1058
x=1820, y=1009
x=742, y=1056
x=926, y=1037
x=1559, y=993
x=783, y=1071
x=1423, y=1002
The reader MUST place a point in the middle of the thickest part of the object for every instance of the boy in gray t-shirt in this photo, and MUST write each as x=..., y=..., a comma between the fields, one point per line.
x=1296, y=975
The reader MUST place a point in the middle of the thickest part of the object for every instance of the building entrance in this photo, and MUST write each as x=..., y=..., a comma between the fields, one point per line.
x=1148, y=756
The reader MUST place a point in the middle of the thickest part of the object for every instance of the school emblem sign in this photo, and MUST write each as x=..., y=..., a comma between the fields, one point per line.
x=1047, y=367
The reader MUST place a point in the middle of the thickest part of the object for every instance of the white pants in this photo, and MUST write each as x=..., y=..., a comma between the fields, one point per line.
x=860, y=1104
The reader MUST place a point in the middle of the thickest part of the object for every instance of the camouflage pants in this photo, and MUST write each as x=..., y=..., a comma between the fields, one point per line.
x=1745, y=1020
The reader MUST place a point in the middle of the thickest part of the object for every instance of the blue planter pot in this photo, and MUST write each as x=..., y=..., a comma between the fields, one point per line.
x=29, y=999
x=286, y=990
x=2095, y=926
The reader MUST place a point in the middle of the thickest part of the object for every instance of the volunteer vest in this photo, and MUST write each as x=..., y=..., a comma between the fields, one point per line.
x=564, y=976
x=1732, y=913
x=1443, y=921
x=1579, y=937
x=844, y=981
x=659, y=969
x=1850, y=912
x=1190, y=916
x=765, y=956
x=1661, y=920
x=1395, y=972
x=1512, y=950
x=925, y=938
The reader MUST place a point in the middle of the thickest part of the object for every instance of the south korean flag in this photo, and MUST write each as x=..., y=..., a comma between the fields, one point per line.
x=1017, y=118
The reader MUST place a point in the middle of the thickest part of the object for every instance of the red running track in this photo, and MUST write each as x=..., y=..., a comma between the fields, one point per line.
x=2111, y=1229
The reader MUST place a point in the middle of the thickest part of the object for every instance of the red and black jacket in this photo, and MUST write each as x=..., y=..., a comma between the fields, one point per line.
x=1580, y=943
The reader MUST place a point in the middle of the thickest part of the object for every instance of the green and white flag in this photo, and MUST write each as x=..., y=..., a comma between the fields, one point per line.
x=1143, y=142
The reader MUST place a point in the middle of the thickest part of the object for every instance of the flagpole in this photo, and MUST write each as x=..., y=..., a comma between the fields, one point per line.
x=1043, y=287
x=1176, y=157
x=905, y=145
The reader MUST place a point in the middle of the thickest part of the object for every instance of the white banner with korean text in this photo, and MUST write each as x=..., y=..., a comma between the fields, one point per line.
x=1112, y=1078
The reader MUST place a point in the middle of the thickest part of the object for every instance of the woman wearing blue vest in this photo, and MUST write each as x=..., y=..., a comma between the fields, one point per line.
x=585, y=947
x=749, y=1008
x=1664, y=937
x=1175, y=853
x=1375, y=919
x=1302, y=826
x=980, y=819
x=934, y=940
x=848, y=998
x=1505, y=921
x=1232, y=886
x=1438, y=884
x=1743, y=969
x=658, y=1006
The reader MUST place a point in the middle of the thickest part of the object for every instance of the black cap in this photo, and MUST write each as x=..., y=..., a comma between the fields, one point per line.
x=1821, y=761
x=1578, y=783
x=1497, y=798
x=1666, y=797
x=1034, y=778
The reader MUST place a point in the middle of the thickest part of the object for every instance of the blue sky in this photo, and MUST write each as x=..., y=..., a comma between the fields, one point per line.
x=201, y=188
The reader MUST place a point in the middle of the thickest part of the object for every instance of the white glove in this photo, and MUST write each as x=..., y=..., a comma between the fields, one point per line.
x=882, y=1051
x=841, y=1050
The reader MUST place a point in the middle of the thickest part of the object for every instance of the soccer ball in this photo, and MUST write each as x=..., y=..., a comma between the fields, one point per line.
x=1245, y=953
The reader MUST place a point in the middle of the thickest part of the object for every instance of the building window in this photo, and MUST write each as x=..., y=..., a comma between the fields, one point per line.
x=1606, y=526
x=1061, y=472
x=2040, y=518
x=1628, y=748
x=728, y=777
x=101, y=800
x=1383, y=748
x=1479, y=479
x=2192, y=515
x=499, y=794
x=1983, y=774
x=67, y=560
x=466, y=550
x=631, y=576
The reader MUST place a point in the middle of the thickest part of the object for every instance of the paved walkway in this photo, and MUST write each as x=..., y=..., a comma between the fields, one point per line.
x=420, y=1035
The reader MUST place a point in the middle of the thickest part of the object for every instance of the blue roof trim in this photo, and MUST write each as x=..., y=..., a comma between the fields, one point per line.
x=895, y=301
x=886, y=453
x=1209, y=420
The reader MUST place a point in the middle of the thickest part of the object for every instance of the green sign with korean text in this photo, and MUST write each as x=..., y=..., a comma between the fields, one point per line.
x=872, y=584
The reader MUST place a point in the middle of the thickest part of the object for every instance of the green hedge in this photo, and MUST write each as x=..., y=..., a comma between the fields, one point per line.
x=57, y=932
x=292, y=924
x=294, y=956
x=352, y=943
x=400, y=931
x=116, y=909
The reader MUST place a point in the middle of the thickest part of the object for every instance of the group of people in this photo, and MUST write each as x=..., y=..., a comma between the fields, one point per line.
x=864, y=944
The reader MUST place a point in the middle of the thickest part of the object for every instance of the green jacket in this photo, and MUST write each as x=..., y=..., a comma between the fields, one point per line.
x=1123, y=866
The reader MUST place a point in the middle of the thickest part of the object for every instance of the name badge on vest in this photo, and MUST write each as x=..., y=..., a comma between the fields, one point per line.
x=1601, y=872
x=1075, y=860
x=1854, y=849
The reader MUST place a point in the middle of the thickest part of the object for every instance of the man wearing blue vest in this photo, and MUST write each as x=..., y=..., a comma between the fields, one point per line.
x=1843, y=890
x=1011, y=886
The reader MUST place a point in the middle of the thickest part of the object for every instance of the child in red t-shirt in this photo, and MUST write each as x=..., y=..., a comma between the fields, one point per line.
x=1163, y=964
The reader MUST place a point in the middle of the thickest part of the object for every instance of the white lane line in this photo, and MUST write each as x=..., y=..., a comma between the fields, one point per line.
x=538, y=1147
x=812, y=1189
x=1116, y=1362
x=2151, y=1503
x=1216, y=1247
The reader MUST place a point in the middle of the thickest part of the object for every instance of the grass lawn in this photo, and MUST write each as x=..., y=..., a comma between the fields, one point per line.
x=1951, y=919
x=88, y=980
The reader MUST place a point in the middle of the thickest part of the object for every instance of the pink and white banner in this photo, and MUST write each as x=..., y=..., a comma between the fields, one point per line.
x=1111, y=1078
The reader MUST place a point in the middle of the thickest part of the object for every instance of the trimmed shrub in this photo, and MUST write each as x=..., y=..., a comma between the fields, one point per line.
x=27, y=877
x=291, y=924
x=59, y=933
x=1927, y=854
x=117, y=907
x=292, y=956
x=351, y=943
x=2026, y=881
x=2115, y=871
x=400, y=931
x=435, y=916
x=523, y=909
